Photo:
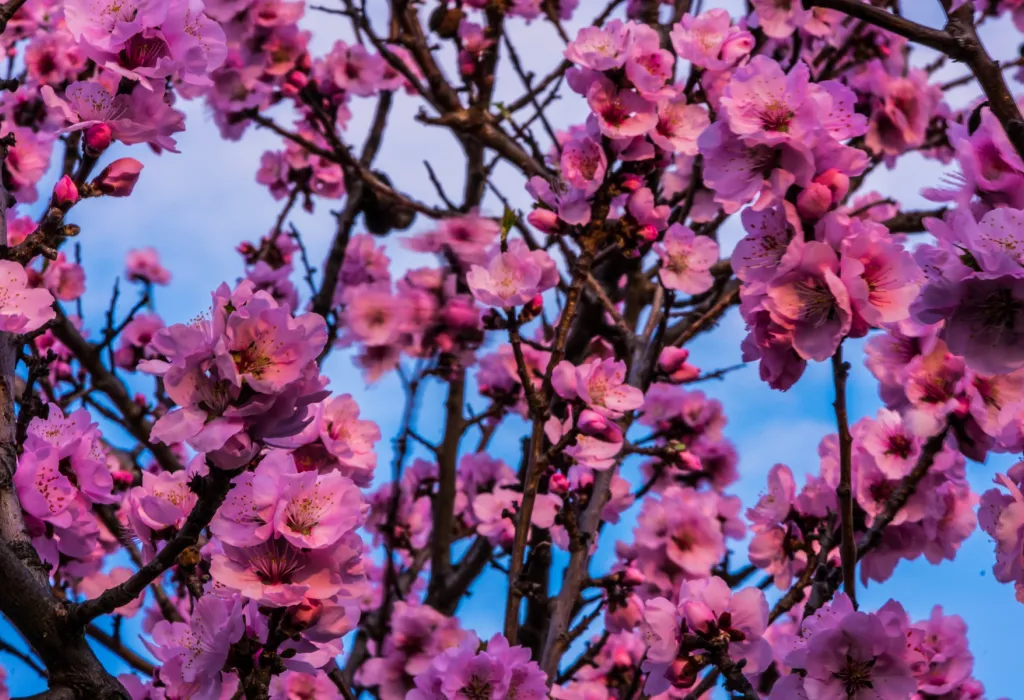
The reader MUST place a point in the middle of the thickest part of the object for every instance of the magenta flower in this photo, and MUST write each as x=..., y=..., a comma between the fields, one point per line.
x=600, y=48
x=648, y=66
x=810, y=299
x=44, y=492
x=881, y=277
x=710, y=41
x=278, y=574
x=860, y=660
x=143, y=265
x=738, y=172
x=201, y=646
x=266, y=347
x=584, y=164
x=686, y=260
x=679, y=126
x=1001, y=516
x=758, y=255
x=247, y=517
x=87, y=103
x=107, y=25
x=314, y=511
x=512, y=278
x=764, y=104
x=22, y=309
x=118, y=179
x=620, y=113
x=773, y=507
x=64, y=279
x=600, y=384
x=598, y=440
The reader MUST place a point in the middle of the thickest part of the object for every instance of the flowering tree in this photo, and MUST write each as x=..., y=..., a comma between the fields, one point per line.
x=234, y=504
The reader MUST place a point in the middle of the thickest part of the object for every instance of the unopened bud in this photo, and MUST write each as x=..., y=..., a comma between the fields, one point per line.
x=558, y=484
x=543, y=220
x=118, y=179
x=837, y=182
x=814, y=201
x=632, y=576
x=649, y=233
x=631, y=182
x=65, y=193
x=97, y=139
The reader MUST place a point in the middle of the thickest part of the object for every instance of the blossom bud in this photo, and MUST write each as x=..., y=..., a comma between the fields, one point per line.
x=532, y=309
x=122, y=479
x=649, y=233
x=632, y=576
x=631, y=182
x=737, y=46
x=467, y=64
x=836, y=181
x=543, y=220
x=558, y=484
x=97, y=139
x=814, y=201
x=118, y=179
x=673, y=362
x=682, y=673
x=622, y=658
x=306, y=614
x=65, y=193
x=698, y=615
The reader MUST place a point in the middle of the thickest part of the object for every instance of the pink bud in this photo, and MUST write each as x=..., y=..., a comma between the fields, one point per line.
x=65, y=192
x=122, y=478
x=467, y=64
x=622, y=658
x=649, y=233
x=307, y=613
x=118, y=179
x=836, y=181
x=681, y=673
x=631, y=182
x=698, y=615
x=632, y=576
x=98, y=138
x=737, y=46
x=558, y=484
x=814, y=201
x=543, y=220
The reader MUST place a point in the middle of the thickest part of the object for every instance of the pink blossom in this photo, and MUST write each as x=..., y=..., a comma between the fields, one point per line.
x=686, y=260
x=22, y=309
x=143, y=265
x=600, y=384
x=620, y=113
x=583, y=164
x=679, y=126
x=512, y=278
x=765, y=105
x=600, y=48
x=44, y=492
x=710, y=41
x=64, y=279
x=810, y=299
x=118, y=179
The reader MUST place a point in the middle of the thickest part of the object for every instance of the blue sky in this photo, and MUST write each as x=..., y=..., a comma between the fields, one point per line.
x=196, y=206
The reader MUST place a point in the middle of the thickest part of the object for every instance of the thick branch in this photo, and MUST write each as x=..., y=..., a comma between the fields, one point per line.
x=444, y=504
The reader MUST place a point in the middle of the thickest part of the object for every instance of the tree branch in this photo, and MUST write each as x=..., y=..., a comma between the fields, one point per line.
x=844, y=492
